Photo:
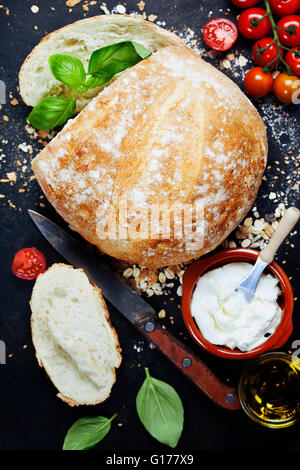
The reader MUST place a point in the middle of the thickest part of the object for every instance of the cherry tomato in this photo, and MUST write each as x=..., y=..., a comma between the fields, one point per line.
x=220, y=34
x=284, y=7
x=254, y=32
x=285, y=86
x=268, y=55
x=28, y=263
x=258, y=83
x=245, y=3
x=286, y=38
x=293, y=61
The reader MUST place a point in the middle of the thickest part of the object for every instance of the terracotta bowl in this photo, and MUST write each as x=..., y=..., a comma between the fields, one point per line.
x=286, y=302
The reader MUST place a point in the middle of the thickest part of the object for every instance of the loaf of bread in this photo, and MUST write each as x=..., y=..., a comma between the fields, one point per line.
x=80, y=39
x=170, y=130
x=72, y=335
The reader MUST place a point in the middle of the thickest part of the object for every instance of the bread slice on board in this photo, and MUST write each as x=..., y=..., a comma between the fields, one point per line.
x=80, y=39
x=73, y=337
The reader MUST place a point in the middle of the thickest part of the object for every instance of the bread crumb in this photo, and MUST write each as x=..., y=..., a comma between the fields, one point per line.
x=34, y=9
x=121, y=9
x=162, y=313
x=141, y=5
x=152, y=17
x=14, y=102
x=72, y=3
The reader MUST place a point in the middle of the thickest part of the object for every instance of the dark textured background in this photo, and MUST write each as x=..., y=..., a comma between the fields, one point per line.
x=31, y=416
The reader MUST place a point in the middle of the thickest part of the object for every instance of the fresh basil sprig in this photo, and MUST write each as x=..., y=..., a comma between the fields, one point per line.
x=86, y=432
x=52, y=112
x=67, y=69
x=160, y=410
x=104, y=63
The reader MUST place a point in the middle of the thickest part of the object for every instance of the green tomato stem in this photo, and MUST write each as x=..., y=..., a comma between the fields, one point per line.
x=277, y=40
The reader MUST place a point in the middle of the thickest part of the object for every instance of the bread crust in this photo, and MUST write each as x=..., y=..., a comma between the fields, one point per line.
x=171, y=129
x=64, y=398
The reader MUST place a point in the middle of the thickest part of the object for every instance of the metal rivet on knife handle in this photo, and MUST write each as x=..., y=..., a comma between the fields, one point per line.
x=149, y=327
x=186, y=362
x=230, y=398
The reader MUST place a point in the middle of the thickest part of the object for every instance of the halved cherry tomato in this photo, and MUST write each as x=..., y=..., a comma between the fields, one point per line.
x=220, y=34
x=268, y=55
x=289, y=39
x=254, y=32
x=245, y=3
x=28, y=263
x=258, y=83
x=284, y=7
x=285, y=86
x=293, y=61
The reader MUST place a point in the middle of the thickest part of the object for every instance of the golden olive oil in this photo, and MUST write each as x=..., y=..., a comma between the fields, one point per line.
x=269, y=390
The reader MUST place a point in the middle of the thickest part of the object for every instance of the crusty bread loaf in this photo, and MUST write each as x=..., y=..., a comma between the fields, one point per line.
x=81, y=39
x=72, y=335
x=172, y=129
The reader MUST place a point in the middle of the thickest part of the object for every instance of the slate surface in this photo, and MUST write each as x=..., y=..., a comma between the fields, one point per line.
x=31, y=416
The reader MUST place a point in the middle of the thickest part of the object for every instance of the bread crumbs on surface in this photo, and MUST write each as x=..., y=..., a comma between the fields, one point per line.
x=141, y=5
x=72, y=3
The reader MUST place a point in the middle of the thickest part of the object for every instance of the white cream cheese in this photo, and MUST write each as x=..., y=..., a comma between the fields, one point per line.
x=223, y=315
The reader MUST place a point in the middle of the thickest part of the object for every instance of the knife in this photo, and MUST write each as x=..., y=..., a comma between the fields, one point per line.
x=138, y=312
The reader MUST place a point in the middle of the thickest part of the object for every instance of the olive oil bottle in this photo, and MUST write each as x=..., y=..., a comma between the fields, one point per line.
x=269, y=390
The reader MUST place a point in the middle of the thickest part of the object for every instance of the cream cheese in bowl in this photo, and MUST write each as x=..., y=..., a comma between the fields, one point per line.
x=223, y=315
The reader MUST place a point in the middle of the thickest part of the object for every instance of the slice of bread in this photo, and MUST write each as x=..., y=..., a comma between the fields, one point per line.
x=72, y=335
x=80, y=39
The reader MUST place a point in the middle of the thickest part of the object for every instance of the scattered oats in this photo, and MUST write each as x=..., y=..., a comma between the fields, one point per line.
x=136, y=272
x=149, y=292
x=162, y=313
x=242, y=61
x=169, y=273
x=179, y=291
x=246, y=243
x=128, y=273
x=152, y=17
x=248, y=221
x=232, y=244
x=226, y=64
x=162, y=277
x=34, y=9
x=272, y=196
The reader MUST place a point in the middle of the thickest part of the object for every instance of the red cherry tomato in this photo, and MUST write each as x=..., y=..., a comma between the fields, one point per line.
x=250, y=31
x=268, y=55
x=284, y=7
x=285, y=86
x=245, y=3
x=28, y=263
x=286, y=38
x=220, y=34
x=293, y=61
x=258, y=83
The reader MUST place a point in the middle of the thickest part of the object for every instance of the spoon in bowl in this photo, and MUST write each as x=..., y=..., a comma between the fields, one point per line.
x=248, y=285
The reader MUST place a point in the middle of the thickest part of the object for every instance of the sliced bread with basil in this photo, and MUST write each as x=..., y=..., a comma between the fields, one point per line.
x=72, y=335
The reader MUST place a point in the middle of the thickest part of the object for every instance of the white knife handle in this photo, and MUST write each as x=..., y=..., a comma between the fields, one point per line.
x=287, y=223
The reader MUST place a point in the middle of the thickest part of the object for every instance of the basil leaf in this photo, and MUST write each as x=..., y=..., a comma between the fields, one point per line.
x=116, y=57
x=86, y=432
x=52, y=112
x=160, y=410
x=67, y=69
x=93, y=82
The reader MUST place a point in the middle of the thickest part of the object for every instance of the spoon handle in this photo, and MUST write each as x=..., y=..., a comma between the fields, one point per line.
x=287, y=223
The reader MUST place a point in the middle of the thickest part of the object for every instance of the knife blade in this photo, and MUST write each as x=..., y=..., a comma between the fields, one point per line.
x=138, y=312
